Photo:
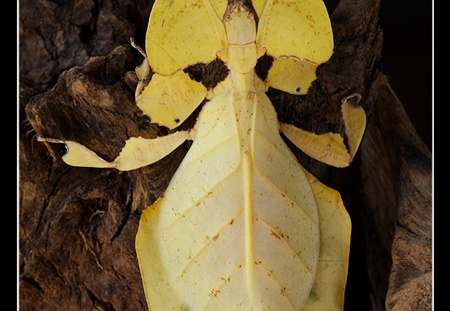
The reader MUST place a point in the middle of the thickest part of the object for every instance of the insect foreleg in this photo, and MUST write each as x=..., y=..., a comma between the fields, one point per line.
x=136, y=153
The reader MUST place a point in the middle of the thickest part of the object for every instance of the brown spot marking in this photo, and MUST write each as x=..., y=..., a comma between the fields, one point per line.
x=276, y=235
x=214, y=292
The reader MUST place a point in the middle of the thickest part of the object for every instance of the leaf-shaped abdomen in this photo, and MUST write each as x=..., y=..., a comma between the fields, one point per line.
x=202, y=253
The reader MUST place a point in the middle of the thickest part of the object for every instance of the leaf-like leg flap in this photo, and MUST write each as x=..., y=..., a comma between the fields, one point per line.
x=139, y=151
x=136, y=153
x=328, y=148
x=292, y=75
x=174, y=39
x=79, y=155
x=169, y=100
x=328, y=290
x=295, y=28
x=355, y=122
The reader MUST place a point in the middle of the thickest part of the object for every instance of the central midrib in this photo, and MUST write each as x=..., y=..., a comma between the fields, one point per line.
x=244, y=103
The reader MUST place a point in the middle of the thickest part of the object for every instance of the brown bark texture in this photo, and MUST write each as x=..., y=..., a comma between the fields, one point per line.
x=78, y=225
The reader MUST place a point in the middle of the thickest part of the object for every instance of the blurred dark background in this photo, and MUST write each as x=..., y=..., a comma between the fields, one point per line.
x=407, y=57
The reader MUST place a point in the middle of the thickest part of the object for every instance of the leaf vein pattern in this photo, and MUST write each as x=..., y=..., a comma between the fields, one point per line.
x=266, y=142
x=223, y=143
x=225, y=280
x=275, y=280
x=222, y=110
x=204, y=247
x=285, y=243
x=204, y=197
x=277, y=189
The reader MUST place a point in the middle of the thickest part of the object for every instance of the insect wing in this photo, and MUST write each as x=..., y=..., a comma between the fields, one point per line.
x=176, y=40
x=303, y=27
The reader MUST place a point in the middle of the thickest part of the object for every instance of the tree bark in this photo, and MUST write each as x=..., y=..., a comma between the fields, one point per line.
x=78, y=225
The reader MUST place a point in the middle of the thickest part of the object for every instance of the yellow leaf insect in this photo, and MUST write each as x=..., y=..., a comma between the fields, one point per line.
x=242, y=225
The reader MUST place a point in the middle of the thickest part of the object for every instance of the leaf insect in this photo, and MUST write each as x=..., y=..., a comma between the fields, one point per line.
x=242, y=225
